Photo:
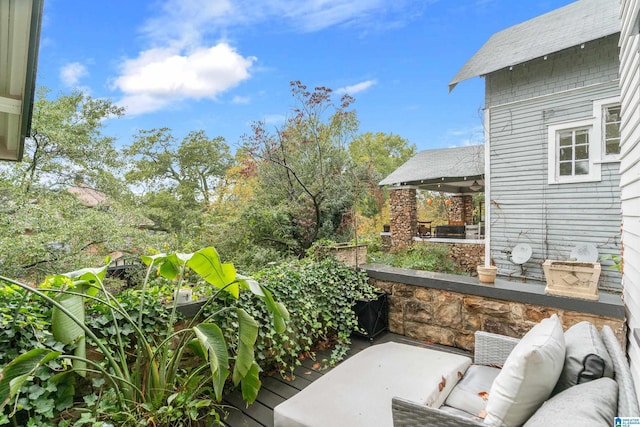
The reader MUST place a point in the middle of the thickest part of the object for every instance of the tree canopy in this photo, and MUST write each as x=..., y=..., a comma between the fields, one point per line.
x=313, y=177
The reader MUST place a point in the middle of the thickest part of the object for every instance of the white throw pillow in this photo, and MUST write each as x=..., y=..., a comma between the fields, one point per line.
x=528, y=376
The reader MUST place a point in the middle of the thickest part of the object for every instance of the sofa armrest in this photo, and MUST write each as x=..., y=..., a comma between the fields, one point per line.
x=411, y=414
x=492, y=349
x=627, y=400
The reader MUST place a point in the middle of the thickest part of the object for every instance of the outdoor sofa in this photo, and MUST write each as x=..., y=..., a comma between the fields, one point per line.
x=547, y=378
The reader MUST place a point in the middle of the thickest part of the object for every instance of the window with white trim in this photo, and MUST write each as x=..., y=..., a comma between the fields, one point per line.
x=611, y=130
x=573, y=153
x=607, y=116
x=577, y=149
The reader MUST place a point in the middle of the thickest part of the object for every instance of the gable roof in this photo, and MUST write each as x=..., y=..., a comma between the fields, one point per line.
x=450, y=170
x=568, y=26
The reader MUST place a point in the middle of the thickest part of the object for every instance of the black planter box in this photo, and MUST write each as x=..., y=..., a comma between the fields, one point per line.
x=190, y=309
x=373, y=316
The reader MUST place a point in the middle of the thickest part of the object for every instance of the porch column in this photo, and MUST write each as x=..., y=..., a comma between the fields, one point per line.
x=403, y=216
x=461, y=209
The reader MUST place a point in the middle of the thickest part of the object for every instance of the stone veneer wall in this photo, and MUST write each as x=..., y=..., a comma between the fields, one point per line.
x=460, y=210
x=467, y=255
x=449, y=317
x=403, y=216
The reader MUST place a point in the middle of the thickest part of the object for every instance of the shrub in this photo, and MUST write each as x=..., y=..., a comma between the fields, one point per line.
x=140, y=373
x=423, y=256
x=319, y=297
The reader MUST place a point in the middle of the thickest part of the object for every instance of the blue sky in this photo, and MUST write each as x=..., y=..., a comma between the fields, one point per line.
x=218, y=65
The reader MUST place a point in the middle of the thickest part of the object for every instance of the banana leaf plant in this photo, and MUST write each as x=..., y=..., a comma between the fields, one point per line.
x=154, y=377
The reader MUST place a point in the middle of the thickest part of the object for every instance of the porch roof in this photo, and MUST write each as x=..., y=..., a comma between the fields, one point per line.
x=449, y=170
x=568, y=26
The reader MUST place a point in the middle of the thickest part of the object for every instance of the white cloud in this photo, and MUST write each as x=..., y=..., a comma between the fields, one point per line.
x=356, y=88
x=274, y=119
x=158, y=77
x=240, y=100
x=72, y=73
x=185, y=21
x=181, y=62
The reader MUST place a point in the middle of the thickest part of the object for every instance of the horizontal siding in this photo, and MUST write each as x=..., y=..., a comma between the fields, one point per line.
x=552, y=218
x=630, y=173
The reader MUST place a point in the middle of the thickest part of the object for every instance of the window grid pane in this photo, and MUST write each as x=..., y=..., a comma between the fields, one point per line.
x=573, y=152
x=611, y=127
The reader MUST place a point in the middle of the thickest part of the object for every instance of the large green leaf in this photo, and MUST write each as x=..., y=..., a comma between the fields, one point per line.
x=251, y=384
x=66, y=330
x=14, y=374
x=250, y=285
x=277, y=309
x=212, y=340
x=87, y=280
x=206, y=263
x=169, y=266
x=247, y=335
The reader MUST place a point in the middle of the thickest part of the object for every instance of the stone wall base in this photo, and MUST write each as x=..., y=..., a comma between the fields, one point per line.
x=451, y=318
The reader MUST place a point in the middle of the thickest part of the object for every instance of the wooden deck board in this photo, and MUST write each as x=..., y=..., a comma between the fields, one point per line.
x=257, y=411
x=280, y=388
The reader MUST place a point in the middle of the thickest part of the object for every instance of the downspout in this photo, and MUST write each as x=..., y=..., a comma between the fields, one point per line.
x=487, y=187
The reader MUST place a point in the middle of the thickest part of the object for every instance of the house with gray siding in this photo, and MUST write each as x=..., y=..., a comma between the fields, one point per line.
x=552, y=119
x=630, y=175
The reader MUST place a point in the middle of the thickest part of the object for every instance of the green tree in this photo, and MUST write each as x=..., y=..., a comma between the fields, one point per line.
x=67, y=142
x=377, y=155
x=179, y=180
x=303, y=168
x=51, y=230
x=43, y=227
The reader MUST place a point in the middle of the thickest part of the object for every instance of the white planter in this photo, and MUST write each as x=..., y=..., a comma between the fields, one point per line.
x=183, y=295
x=487, y=273
x=572, y=279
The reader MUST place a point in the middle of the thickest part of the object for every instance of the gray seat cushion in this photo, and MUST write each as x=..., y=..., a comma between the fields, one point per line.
x=586, y=357
x=590, y=404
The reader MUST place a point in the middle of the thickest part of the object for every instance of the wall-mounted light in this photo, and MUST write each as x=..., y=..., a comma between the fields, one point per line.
x=20, y=21
x=475, y=186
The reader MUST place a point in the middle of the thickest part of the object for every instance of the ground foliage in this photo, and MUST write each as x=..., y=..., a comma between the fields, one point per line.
x=319, y=297
x=422, y=256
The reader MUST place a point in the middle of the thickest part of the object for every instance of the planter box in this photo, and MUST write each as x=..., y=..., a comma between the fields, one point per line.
x=373, y=316
x=572, y=279
x=190, y=309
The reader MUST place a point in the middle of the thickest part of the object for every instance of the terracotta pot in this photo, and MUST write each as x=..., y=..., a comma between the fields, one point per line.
x=487, y=274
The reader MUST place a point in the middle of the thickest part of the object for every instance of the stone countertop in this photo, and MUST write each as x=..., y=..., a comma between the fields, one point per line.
x=609, y=304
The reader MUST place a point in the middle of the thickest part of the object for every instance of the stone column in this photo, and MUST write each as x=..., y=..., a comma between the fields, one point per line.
x=403, y=216
x=461, y=209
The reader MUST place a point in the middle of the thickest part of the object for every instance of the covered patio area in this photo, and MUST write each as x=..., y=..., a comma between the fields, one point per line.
x=458, y=172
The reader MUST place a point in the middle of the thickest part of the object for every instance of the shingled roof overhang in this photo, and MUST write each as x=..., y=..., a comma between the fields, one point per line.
x=449, y=170
x=572, y=25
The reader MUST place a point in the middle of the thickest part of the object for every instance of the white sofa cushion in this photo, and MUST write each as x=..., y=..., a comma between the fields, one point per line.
x=472, y=391
x=358, y=392
x=528, y=376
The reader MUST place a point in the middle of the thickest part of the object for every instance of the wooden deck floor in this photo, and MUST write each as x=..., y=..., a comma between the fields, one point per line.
x=276, y=389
